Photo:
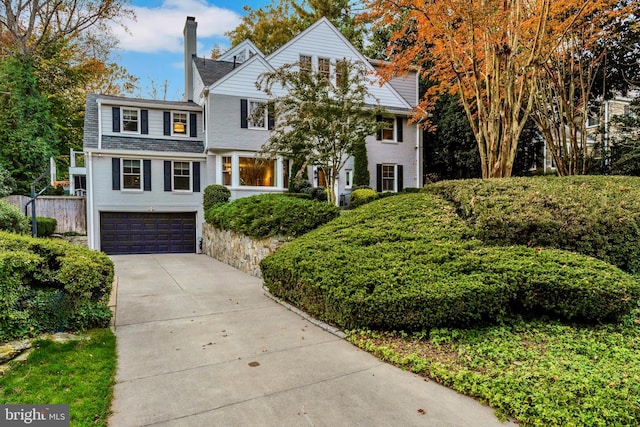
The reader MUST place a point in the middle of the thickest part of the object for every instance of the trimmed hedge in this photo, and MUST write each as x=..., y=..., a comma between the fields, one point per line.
x=410, y=263
x=12, y=219
x=268, y=215
x=362, y=196
x=46, y=226
x=214, y=194
x=597, y=216
x=48, y=285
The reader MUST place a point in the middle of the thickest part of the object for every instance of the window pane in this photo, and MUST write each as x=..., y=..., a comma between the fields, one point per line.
x=257, y=112
x=180, y=123
x=226, y=170
x=324, y=67
x=129, y=120
x=257, y=172
x=388, y=178
x=305, y=63
x=181, y=176
x=131, y=177
x=388, y=133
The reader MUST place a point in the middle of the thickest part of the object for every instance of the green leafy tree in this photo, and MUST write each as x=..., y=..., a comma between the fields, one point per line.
x=27, y=131
x=318, y=120
x=7, y=184
x=361, y=175
x=625, y=142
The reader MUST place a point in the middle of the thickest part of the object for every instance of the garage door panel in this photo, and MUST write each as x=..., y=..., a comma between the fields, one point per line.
x=137, y=232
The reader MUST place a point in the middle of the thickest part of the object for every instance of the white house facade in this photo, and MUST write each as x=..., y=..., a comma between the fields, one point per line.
x=148, y=161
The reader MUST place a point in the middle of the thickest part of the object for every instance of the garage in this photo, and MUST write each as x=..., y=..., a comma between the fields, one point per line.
x=147, y=233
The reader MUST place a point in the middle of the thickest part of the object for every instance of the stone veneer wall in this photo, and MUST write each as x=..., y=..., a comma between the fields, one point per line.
x=237, y=250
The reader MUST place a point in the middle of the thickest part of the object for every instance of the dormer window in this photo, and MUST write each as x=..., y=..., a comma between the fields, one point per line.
x=179, y=123
x=130, y=120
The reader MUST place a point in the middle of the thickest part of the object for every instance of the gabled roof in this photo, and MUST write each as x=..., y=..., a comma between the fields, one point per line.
x=240, y=68
x=212, y=70
x=239, y=49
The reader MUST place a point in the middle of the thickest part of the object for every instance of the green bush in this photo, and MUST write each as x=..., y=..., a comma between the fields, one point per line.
x=214, y=194
x=51, y=285
x=12, y=220
x=46, y=226
x=362, y=196
x=410, y=263
x=271, y=214
x=316, y=193
x=597, y=216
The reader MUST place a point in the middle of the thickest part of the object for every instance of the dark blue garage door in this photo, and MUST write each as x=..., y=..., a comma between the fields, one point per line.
x=147, y=233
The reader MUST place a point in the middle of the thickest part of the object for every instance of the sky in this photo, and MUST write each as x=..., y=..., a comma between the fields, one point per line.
x=152, y=48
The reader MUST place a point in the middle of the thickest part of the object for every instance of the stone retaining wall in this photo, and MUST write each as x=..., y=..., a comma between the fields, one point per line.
x=237, y=250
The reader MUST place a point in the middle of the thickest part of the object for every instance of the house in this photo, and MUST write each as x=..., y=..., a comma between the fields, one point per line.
x=147, y=161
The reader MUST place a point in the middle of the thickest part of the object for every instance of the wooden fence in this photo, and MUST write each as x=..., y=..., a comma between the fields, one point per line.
x=69, y=211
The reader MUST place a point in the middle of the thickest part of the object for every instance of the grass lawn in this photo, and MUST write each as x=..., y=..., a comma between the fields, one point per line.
x=541, y=373
x=78, y=373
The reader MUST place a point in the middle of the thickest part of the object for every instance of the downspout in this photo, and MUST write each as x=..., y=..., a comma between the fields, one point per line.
x=90, y=231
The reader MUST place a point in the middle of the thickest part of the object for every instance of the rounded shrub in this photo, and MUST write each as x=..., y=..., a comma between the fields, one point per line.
x=362, y=196
x=49, y=284
x=410, y=262
x=46, y=226
x=213, y=194
x=268, y=215
x=12, y=220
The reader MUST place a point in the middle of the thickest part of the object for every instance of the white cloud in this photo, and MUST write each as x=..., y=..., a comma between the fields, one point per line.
x=160, y=29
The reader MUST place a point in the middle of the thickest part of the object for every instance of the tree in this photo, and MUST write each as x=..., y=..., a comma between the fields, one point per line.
x=27, y=133
x=32, y=24
x=361, y=175
x=317, y=120
x=273, y=25
x=625, y=142
x=567, y=71
x=485, y=51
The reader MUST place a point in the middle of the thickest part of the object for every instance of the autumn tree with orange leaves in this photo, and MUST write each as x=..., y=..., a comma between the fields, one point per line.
x=485, y=51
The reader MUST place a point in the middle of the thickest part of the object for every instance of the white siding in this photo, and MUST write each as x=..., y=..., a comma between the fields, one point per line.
x=105, y=199
x=322, y=40
x=156, y=123
x=242, y=82
x=224, y=128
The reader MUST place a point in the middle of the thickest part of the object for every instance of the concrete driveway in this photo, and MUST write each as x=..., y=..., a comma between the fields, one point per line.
x=199, y=344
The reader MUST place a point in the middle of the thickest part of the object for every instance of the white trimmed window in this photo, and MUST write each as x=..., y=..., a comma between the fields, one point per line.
x=180, y=123
x=131, y=174
x=257, y=115
x=181, y=176
x=348, y=178
x=324, y=67
x=226, y=170
x=305, y=63
x=388, y=177
x=389, y=130
x=257, y=172
x=130, y=120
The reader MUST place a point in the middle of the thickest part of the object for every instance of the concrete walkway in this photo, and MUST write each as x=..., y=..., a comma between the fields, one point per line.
x=199, y=344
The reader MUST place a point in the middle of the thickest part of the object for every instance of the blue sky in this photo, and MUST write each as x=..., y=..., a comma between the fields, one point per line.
x=152, y=49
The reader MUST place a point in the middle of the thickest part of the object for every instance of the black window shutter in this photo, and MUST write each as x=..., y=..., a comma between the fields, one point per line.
x=167, y=175
x=379, y=134
x=399, y=129
x=115, y=173
x=400, y=178
x=270, y=117
x=144, y=122
x=196, y=177
x=244, y=111
x=116, y=118
x=379, y=178
x=193, y=125
x=146, y=169
x=167, y=122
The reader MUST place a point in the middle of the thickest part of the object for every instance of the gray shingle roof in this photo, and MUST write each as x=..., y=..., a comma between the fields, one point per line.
x=211, y=71
x=151, y=144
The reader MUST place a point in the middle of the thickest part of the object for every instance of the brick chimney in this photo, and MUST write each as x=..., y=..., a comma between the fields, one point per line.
x=190, y=52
